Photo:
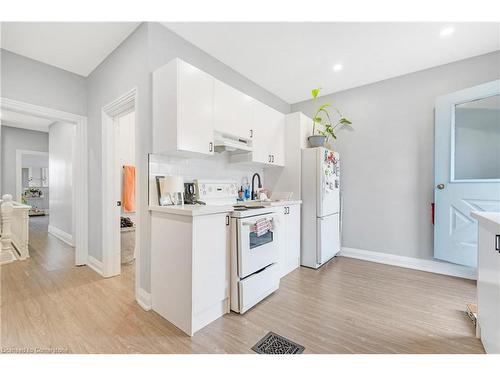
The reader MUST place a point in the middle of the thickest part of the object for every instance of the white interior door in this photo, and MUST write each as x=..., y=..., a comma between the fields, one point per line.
x=117, y=179
x=467, y=168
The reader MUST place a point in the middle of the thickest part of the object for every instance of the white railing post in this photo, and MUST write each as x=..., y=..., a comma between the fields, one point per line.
x=20, y=230
x=7, y=253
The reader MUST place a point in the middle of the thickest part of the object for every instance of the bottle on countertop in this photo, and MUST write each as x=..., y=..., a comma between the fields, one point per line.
x=247, y=190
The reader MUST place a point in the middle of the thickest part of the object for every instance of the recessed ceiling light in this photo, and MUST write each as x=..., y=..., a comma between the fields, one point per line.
x=447, y=31
x=337, y=67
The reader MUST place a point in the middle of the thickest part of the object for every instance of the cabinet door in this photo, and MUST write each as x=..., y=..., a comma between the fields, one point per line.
x=195, y=131
x=277, y=137
x=280, y=228
x=210, y=262
x=269, y=136
x=233, y=111
x=292, y=237
x=260, y=145
x=488, y=291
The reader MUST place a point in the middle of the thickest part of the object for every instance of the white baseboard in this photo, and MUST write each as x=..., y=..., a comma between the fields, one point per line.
x=95, y=264
x=62, y=235
x=426, y=265
x=143, y=298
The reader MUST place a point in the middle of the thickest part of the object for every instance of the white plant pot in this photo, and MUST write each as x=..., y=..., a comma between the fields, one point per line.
x=317, y=140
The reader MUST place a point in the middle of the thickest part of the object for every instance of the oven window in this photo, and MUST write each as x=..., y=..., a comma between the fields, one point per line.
x=256, y=241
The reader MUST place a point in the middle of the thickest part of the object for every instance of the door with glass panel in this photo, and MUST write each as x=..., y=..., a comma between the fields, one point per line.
x=467, y=168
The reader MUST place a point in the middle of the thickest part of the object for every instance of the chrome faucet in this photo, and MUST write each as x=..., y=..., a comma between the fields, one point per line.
x=254, y=193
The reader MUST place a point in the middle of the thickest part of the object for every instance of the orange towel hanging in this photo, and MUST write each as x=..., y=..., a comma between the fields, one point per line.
x=128, y=188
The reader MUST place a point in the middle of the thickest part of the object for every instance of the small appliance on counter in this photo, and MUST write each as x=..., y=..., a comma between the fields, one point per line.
x=190, y=194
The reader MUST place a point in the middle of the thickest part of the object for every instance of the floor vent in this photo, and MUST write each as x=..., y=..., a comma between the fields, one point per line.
x=276, y=344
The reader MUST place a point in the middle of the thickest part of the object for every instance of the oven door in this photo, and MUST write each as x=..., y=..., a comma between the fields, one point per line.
x=256, y=252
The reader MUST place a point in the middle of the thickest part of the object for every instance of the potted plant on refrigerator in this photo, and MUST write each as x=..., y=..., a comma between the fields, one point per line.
x=323, y=126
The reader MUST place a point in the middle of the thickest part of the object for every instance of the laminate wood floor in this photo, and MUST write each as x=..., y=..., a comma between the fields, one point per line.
x=347, y=306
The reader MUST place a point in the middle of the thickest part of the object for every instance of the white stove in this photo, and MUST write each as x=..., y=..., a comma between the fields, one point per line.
x=254, y=253
x=225, y=193
x=213, y=192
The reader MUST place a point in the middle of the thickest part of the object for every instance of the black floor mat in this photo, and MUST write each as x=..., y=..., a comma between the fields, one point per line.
x=276, y=344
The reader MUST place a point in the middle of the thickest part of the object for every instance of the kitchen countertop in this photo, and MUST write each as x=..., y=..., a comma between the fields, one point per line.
x=489, y=220
x=192, y=209
x=198, y=210
x=272, y=203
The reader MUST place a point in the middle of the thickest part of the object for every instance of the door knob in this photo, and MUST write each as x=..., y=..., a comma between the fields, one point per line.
x=440, y=186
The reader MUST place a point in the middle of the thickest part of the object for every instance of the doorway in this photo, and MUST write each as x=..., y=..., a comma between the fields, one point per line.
x=121, y=217
x=467, y=168
x=77, y=175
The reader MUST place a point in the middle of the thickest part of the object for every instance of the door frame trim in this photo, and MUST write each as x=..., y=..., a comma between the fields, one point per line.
x=80, y=167
x=111, y=257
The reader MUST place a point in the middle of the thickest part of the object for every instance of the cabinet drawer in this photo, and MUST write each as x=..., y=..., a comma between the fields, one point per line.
x=257, y=287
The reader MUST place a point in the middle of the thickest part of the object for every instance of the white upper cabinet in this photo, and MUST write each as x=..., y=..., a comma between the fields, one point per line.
x=189, y=106
x=182, y=110
x=269, y=136
x=233, y=111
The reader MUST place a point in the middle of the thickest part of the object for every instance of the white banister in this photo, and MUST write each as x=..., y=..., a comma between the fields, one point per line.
x=7, y=253
x=15, y=230
x=20, y=229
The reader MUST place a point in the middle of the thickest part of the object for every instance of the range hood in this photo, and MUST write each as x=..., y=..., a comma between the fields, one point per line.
x=227, y=143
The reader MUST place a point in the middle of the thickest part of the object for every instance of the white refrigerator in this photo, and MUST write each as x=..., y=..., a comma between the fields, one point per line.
x=320, y=194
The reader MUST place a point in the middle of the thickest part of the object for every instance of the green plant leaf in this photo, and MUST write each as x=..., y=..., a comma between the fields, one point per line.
x=333, y=135
x=326, y=105
x=345, y=121
x=317, y=120
x=315, y=92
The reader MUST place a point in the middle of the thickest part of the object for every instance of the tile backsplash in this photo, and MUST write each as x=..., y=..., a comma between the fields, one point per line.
x=216, y=167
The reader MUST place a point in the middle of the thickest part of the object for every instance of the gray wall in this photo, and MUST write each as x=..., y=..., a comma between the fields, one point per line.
x=125, y=68
x=388, y=160
x=18, y=139
x=130, y=65
x=61, y=146
x=34, y=82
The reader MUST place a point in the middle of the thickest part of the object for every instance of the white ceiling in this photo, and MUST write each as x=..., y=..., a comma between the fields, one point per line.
x=289, y=59
x=19, y=120
x=78, y=47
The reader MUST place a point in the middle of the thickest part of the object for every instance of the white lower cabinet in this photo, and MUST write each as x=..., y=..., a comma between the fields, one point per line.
x=289, y=226
x=189, y=268
x=488, y=285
